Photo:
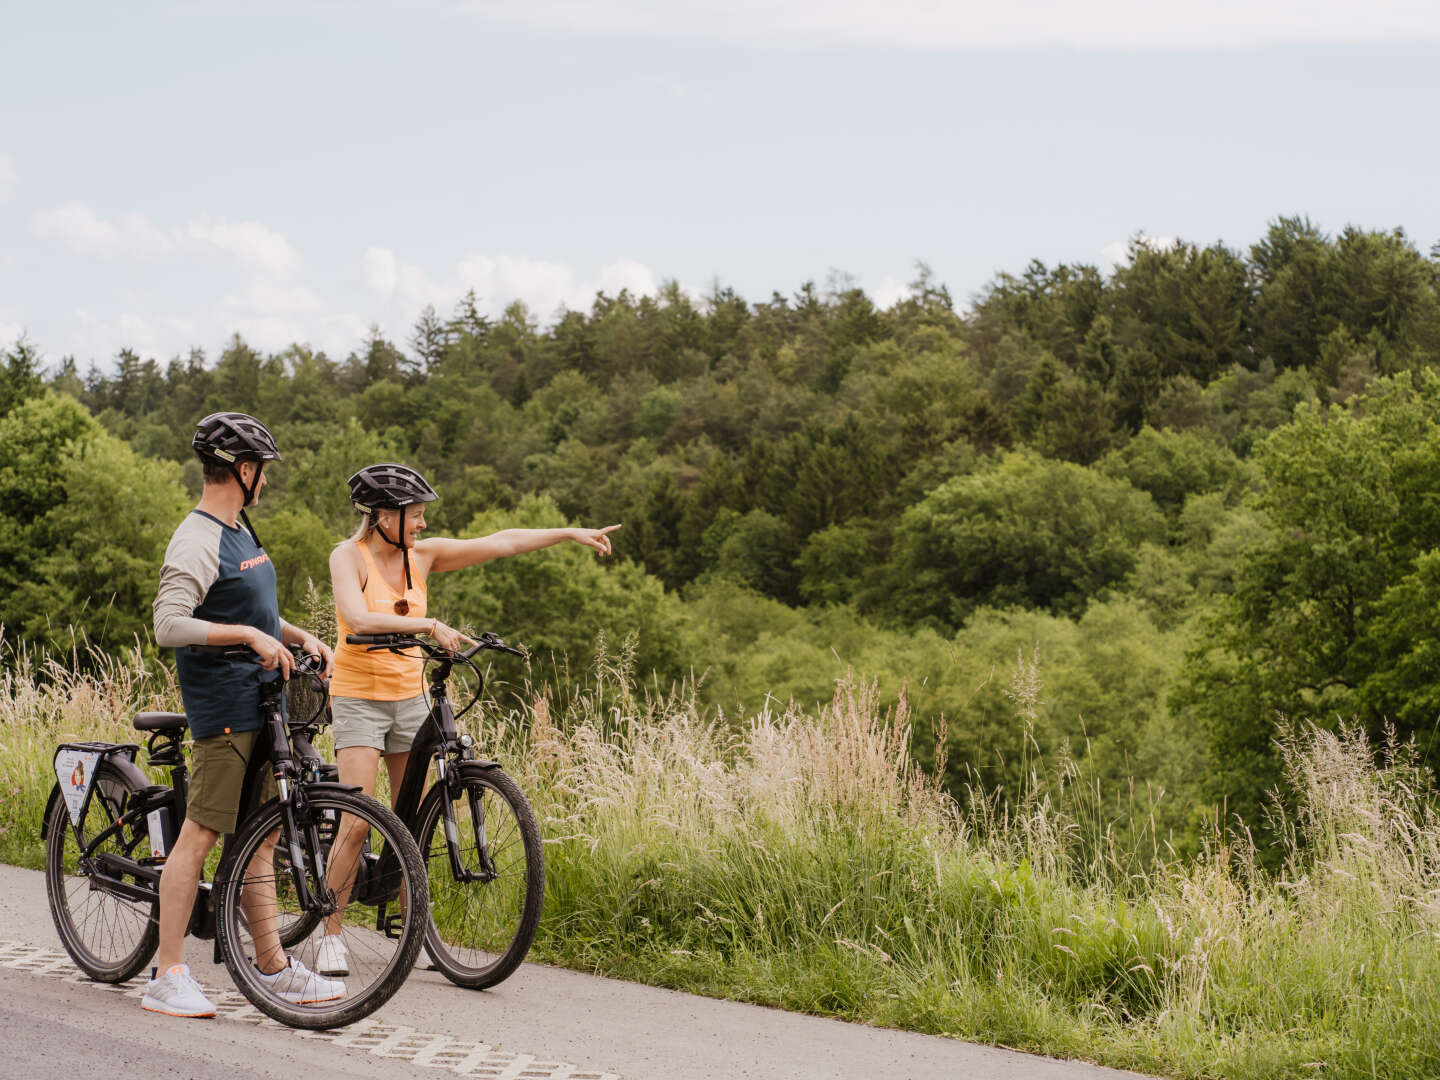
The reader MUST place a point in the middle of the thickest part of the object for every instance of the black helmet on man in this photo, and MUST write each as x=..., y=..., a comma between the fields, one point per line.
x=234, y=436
x=389, y=486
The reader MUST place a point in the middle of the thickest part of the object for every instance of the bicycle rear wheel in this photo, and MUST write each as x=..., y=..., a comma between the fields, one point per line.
x=483, y=921
x=258, y=898
x=110, y=936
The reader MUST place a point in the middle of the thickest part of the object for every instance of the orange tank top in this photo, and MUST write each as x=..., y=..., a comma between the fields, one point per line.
x=383, y=675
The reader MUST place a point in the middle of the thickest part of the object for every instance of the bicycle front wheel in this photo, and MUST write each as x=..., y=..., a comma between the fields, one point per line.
x=110, y=932
x=483, y=919
x=259, y=898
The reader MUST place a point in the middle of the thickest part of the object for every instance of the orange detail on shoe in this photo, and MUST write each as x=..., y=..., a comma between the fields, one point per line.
x=182, y=1016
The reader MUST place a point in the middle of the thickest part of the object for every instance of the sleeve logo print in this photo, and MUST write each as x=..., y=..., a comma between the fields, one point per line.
x=250, y=564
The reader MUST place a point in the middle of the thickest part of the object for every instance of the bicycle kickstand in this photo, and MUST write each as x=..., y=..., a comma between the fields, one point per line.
x=392, y=925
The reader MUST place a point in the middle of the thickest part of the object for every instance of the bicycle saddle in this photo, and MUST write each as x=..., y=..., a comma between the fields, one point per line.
x=160, y=721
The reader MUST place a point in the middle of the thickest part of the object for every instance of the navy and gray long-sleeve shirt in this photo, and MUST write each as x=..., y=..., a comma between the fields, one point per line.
x=215, y=573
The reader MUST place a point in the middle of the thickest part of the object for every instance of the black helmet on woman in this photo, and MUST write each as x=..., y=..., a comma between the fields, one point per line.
x=232, y=437
x=390, y=486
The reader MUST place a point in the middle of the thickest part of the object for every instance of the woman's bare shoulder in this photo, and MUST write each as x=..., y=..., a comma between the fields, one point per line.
x=346, y=556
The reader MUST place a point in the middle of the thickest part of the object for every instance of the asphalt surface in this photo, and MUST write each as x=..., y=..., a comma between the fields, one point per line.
x=541, y=1023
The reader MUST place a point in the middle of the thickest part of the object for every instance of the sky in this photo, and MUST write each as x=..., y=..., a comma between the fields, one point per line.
x=174, y=173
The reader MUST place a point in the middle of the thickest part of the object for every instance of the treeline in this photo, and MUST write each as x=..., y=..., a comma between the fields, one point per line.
x=1197, y=482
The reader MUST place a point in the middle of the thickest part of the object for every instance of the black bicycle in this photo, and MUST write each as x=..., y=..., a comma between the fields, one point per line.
x=107, y=832
x=479, y=838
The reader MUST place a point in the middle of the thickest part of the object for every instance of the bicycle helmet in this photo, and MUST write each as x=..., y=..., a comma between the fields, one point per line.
x=232, y=437
x=390, y=486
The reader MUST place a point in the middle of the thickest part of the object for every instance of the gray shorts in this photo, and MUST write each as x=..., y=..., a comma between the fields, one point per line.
x=387, y=726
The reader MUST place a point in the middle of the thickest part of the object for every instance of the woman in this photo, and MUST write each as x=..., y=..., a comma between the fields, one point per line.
x=379, y=579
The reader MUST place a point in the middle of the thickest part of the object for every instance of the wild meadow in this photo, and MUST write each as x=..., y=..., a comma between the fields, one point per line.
x=799, y=857
x=1055, y=669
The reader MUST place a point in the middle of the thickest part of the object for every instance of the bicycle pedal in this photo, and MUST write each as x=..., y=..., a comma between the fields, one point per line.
x=394, y=926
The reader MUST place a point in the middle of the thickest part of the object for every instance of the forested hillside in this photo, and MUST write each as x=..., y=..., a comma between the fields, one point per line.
x=1198, y=494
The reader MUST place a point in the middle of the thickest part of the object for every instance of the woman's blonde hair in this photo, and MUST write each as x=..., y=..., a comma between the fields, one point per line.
x=367, y=526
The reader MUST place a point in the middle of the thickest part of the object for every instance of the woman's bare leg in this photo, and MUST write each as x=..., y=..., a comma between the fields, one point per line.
x=359, y=765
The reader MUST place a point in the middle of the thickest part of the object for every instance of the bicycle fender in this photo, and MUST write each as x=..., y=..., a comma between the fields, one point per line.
x=325, y=787
x=127, y=768
x=478, y=765
x=45, y=817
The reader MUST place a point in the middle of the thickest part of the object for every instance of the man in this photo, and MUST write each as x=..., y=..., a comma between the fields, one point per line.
x=217, y=587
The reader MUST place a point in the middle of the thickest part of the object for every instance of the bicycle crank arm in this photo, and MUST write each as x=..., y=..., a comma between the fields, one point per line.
x=104, y=878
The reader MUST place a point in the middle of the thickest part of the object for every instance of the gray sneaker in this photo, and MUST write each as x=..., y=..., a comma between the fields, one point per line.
x=176, y=993
x=332, y=958
x=299, y=985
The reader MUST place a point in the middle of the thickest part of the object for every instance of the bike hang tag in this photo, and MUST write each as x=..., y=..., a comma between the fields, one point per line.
x=75, y=771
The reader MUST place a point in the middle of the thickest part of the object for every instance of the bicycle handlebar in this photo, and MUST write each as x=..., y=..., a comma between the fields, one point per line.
x=396, y=642
x=305, y=663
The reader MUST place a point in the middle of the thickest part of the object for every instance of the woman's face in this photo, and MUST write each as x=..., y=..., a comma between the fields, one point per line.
x=414, y=521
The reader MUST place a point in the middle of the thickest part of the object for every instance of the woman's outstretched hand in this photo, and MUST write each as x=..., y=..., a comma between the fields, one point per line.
x=599, y=539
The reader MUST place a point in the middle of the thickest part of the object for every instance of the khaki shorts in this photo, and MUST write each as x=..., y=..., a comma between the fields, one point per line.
x=387, y=726
x=217, y=775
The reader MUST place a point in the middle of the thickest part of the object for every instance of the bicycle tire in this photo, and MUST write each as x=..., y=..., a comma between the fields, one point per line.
x=385, y=961
x=109, y=937
x=485, y=928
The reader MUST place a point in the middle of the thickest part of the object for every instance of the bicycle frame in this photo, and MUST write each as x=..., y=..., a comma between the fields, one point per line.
x=280, y=747
x=440, y=742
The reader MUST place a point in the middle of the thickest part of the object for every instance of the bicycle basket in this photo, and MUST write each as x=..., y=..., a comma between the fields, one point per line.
x=307, y=699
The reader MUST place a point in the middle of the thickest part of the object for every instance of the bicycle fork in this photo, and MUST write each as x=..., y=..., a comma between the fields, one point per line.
x=298, y=838
x=487, y=870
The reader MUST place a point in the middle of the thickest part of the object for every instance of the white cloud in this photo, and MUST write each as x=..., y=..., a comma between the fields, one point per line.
x=889, y=293
x=1100, y=24
x=379, y=269
x=8, y=177
x=1117, y=253
x=627, y=274
x=82, y=230
x=249, y=243
x=274, y=298
x=498, y=280
x=268, y=317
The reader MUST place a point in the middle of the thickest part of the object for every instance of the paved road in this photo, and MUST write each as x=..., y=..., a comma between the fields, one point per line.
x=541, y=1023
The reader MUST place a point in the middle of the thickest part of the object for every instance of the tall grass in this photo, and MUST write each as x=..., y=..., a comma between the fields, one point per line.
x=46, y=699
x=800, y=858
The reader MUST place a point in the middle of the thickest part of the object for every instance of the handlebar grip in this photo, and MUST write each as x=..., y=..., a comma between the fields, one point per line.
x=303, y=661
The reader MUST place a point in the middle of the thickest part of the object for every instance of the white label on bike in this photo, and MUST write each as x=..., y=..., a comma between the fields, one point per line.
x=75, y=770
x=155, y=823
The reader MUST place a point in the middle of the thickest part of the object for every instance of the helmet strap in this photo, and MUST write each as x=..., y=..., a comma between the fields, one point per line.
x=249, y=492
x=404, y=551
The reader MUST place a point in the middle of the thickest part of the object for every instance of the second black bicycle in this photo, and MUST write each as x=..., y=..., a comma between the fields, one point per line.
x=475, y=829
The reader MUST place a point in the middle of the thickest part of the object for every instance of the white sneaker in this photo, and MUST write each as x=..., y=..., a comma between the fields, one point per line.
x=299, y=985
x=176, y=993
x=332, y=958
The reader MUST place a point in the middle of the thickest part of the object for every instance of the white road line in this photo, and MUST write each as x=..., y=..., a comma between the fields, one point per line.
x=394, y=1042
